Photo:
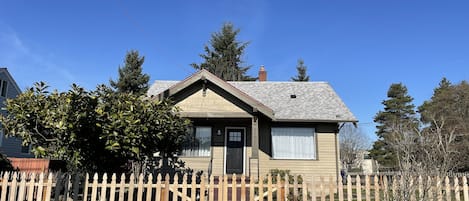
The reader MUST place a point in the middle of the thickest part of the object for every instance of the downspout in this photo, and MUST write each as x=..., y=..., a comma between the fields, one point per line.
x=210, y=165
x=336, y=158
x=337, y=153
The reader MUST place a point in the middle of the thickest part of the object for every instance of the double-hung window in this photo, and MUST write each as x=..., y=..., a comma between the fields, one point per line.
x=198, y=143
x=293, y=143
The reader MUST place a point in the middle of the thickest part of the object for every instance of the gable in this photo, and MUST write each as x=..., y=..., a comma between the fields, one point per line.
x=207, y=103
x=205, y=80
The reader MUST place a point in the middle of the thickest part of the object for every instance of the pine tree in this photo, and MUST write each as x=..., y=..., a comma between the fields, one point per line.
x=448, y=110
x=223, y=58
x=131, y=79
x=439, y=102
x=301, y=68
x=398, y=115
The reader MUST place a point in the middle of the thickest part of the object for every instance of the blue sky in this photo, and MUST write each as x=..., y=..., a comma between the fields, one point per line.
x=359, y=47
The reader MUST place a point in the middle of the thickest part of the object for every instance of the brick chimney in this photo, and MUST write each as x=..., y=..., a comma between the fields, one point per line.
x=262, y=74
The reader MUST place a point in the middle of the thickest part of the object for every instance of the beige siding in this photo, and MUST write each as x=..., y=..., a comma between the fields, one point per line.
x=197, y=163
x=324, y=166
x=218, y=163
x=202, y=163
x=211, y=102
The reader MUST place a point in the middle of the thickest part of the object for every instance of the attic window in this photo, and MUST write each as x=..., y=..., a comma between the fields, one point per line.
x=293, y=96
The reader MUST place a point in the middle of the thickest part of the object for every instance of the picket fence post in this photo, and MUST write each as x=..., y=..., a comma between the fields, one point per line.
x=184, y=187
x=233, y=187
x=269, y=188
x=122, y=187
x=243, y=188
x=448, y=188
x=166, y=187
x=31, y=186
x=103, y=188
x=376, y=181
x=279, y=187
x=211, y=193
x=112, y=190
x=313, y=189
x=193, y=188
x=465, y=190
x=175, y=187
x=48, y=187
x=251, y=189
x=429, y=187
x=202, y=188
x=261, y=186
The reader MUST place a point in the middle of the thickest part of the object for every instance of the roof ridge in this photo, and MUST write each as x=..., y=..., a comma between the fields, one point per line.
x=273, y=82
x=166, y=81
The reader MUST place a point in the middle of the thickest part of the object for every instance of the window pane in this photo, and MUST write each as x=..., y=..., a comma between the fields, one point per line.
x=234, y=136
x=293, y=143
x=4, y=88
x=198, y=143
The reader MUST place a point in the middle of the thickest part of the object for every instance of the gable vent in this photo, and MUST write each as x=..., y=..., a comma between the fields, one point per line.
x=293, y=96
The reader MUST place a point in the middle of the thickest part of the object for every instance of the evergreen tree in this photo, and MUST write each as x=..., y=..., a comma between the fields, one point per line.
x=131, y=79
x=301, y=68
x=398, y=115
x=223, y=58
x=448, y=110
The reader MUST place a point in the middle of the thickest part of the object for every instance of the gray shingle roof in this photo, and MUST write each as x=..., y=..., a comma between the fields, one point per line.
x=315, y=101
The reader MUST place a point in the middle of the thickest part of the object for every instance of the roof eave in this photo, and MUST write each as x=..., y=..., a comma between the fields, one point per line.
x=318, y=120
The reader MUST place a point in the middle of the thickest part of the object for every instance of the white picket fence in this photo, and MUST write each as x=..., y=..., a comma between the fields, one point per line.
x=59, y=187
x=33, y=187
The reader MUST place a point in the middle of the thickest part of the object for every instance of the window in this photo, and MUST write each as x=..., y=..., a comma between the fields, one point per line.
x=198, y=143
x=4, y=88
x=293, y=143
x=235, y=136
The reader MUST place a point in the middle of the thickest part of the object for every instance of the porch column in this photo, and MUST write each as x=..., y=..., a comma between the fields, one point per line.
x=254, y=160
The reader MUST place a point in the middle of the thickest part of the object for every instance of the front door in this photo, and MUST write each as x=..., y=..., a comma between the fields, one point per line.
x=234, y=158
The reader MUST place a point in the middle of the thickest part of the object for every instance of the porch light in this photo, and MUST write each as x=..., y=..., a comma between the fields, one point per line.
x=218, y=132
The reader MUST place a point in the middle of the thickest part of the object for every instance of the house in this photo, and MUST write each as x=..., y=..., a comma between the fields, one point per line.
x=10, y=146
x=253, y=127
x=363, y=163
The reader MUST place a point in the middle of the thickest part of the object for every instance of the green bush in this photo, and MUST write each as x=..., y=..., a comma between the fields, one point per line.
x=5, y=163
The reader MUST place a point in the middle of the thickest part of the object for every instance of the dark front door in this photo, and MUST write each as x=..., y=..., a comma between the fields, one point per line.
x=234, y=150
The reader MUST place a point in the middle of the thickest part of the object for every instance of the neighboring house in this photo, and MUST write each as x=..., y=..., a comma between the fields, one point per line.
x=363, y=163
x=253, y=127
x=368, y=164
x=10, y=146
